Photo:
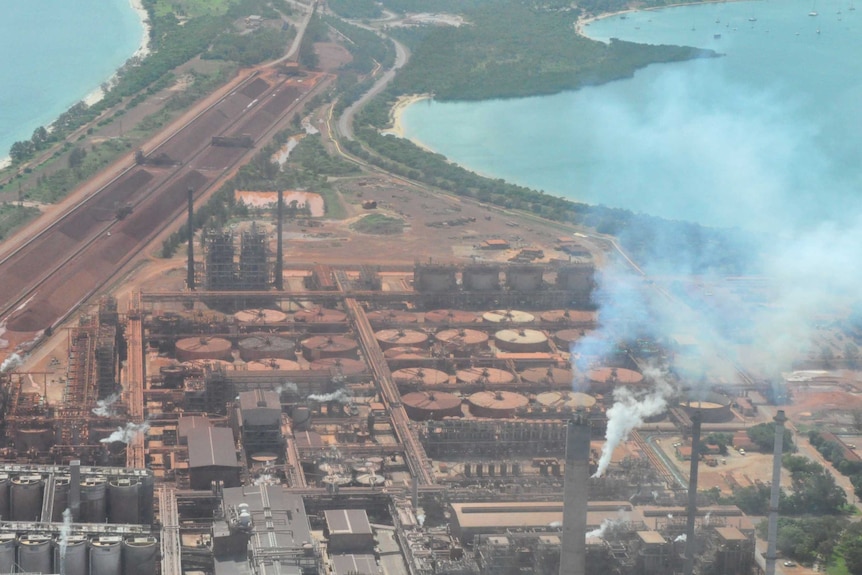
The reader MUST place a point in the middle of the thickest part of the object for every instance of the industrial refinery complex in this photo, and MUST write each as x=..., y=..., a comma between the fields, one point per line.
x=271, y=418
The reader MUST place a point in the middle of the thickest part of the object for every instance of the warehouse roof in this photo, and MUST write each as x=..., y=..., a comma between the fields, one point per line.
x=308, y=439
x=278, y=517
x=534, y=514
x=189, y=422
x=651, y=537
x=730, y=534
x=211, y=446
x=355, y=565
x=342, y=521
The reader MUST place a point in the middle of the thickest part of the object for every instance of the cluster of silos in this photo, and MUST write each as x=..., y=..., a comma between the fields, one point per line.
x=74, y=554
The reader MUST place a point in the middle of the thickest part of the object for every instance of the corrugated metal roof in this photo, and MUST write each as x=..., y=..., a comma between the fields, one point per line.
x=278, y=517
x=189, y=422
x=355, y=565
x=211, y=446
x=353, y=521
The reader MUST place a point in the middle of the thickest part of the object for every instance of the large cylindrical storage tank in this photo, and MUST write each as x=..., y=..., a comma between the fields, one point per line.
x=604, y=379
x=566, y=338
x=508, y=316
x=5, y=483
x=496, y=404
x=106, y=556
x=26, y=498
x=61, y=497
x=192, y=348
x=73, y=560
x=35, y=554
x=521, y=340
x=566, y=400
x=525, y=278
x=94, y=500
x=273, y=364
x=344, y=366
x=322, y=319
x=464, y=339
x=713, y=407
x=570, y=317
x=36, y=439
x=447, y=316
x=329, y=346
x=389, y=338
x=173, y=375
x=424, y=405
x=264, y=346
x=123, y=503
x=261, y=316
x=399, y=357
x=147, y=497
x=420, y=376
x=548, y=377
x=382, y=317
x=139, y=556
x=485, y=376
x=370, y=480
x=7, y=552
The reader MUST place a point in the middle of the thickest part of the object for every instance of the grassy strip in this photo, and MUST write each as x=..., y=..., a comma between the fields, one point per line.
x=13, y=216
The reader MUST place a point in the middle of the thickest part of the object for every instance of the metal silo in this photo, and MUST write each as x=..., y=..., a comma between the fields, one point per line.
x=73, y=559
x=94, y=507
x=146, y=498
x=5, y=483
x=123, y=501
x=139, y=556
x=61, y=497
x=105, y=556
x=26, y=498
x=34, y=554
x=7, y=552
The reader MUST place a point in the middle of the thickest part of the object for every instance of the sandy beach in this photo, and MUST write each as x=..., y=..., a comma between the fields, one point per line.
x=403, y=102
x=141, y=53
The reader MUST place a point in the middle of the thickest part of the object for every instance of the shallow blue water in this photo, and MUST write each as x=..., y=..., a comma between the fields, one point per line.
x=53, y=53
x=768, y=135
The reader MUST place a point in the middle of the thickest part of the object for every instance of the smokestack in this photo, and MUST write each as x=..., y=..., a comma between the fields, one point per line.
x=688, y=566
x=573, y=555
x=279, y=250
x=75, y=488
x=772, y=531
x=190, y=272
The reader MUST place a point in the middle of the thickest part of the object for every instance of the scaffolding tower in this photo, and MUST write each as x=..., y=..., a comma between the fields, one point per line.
x=220, y=267
x=254, y=267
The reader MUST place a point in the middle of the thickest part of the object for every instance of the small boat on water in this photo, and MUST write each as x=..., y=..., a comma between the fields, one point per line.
x=752, y=19
x=716, y=36
x=813, y=13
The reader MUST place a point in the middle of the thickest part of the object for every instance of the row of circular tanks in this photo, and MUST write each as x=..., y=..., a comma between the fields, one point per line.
x=78, y=555
x=264, y=347
x=362, y=473
x=118, y=500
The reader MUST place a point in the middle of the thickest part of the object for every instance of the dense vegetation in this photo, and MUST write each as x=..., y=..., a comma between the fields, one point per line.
x=379, y=224
x=763, y=435
x=510, y=49
x=249, y=49
x=13, y=215
x=833, y=452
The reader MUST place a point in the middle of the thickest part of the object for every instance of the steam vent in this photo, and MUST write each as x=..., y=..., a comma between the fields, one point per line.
x=424, y=405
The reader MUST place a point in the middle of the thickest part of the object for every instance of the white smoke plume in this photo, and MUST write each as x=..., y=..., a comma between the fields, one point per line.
x=706, y=518
x=680, y=538
x=127, y=434
x=11, y=363
x=609, y=523
x=555, y=524
x=287, y=387
x=103, y=406
x=420, y=518
x=629, y=411
x=65, y=532
x=341, y=395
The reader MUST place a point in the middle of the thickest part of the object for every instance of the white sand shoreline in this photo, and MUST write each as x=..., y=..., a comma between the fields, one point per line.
x=142, y=52
x=397, y=110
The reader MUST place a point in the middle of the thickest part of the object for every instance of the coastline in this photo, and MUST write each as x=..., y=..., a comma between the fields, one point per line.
x=142, y=52
x=397, y=110
x=581, y=22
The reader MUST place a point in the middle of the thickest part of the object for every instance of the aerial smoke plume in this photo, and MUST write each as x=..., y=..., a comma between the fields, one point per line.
x=65, y=532
x=287, y=387
x=629, y=411
x=341, y=396
x=607, y=525
x=11, y=363
x=103, y=406
x=127, y=434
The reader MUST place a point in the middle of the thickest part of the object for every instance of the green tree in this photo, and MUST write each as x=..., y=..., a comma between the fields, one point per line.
x=853, y=555
x=76, y=157
x=764, y=436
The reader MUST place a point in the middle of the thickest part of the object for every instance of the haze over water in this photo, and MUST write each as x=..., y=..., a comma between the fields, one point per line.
x=55, y=53
x=766, y=137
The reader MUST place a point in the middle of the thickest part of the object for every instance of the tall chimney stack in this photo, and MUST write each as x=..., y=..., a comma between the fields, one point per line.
x=279, y=250
x=75, y=489
x=573, y=555
x=190, y=271
x=690, y=542
x=772, y=530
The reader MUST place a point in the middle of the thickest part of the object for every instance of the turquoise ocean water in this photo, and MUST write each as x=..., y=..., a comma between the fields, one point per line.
x=53, y=53
x=770, y=134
